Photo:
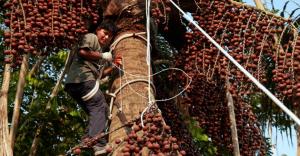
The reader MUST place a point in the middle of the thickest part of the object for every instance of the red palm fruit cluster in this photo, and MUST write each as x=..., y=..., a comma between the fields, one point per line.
x=265, y=45
x=160, y=10
x=155, y=135
x=296, y=65
x=41, y=25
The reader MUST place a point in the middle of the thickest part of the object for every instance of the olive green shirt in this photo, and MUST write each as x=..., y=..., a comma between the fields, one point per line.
x=79, y=71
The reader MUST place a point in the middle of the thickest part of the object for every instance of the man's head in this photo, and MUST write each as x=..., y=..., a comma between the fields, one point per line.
x=105, y=32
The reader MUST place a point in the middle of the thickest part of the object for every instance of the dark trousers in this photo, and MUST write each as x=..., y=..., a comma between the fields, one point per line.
x=96, y=107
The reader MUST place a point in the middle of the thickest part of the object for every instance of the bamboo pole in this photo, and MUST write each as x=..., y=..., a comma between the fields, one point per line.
x=5, y=149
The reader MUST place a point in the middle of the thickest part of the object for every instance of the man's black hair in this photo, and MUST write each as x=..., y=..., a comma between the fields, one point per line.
x=108, y=25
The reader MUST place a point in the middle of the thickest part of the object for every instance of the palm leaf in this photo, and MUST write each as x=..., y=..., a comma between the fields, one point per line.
x=272, y=2
x=284, y=8
x=293, y=12
x=296, y=20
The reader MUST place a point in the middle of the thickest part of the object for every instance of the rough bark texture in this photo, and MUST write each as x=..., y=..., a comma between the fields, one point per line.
x=18, y=100
x=133, y=98
x=5, y=149
x=129, y=16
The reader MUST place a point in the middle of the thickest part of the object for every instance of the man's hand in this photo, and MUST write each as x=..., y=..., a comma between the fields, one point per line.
x=118, y=60
x=107, y=56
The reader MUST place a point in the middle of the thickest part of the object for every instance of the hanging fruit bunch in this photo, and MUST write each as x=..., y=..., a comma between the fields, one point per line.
x=265, y=45
x=160, y=10
x=45, y=25
x=155, y=135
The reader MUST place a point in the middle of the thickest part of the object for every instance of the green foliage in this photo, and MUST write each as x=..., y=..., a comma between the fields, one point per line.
x=269, y=147
x=63, y=124
x=202, y=141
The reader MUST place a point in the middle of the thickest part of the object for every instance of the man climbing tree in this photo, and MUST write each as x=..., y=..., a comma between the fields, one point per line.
x=82, y=80
x=247, y=33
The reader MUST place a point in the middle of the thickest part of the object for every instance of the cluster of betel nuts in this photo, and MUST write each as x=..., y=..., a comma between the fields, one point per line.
x=40, y=27
x=262, y=43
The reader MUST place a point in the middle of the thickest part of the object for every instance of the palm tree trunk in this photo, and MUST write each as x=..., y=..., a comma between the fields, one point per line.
x=5, y=148
x=18, y=100
x=133, y=98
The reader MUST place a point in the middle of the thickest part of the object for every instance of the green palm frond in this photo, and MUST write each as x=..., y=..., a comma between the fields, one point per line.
x=293, y=12
x=272, y=3
x=284, y=8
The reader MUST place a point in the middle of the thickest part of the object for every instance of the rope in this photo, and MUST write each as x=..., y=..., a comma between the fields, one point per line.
x=113, y=95
x=189, y=81
x=251, y=77
x=90, y=94
x=112, y=47
x=148, y=59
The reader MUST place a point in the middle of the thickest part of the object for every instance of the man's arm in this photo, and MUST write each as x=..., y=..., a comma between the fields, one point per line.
x=117, y=62
x=90, y=55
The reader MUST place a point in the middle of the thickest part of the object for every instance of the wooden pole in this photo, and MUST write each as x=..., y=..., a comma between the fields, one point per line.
x=234, y=135
x=259, y=4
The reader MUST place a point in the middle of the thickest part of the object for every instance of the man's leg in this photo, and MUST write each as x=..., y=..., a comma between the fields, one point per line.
x=96, y=107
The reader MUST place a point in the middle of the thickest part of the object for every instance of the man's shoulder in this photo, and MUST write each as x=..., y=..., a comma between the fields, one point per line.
x=90, y=36
x=90, y=41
